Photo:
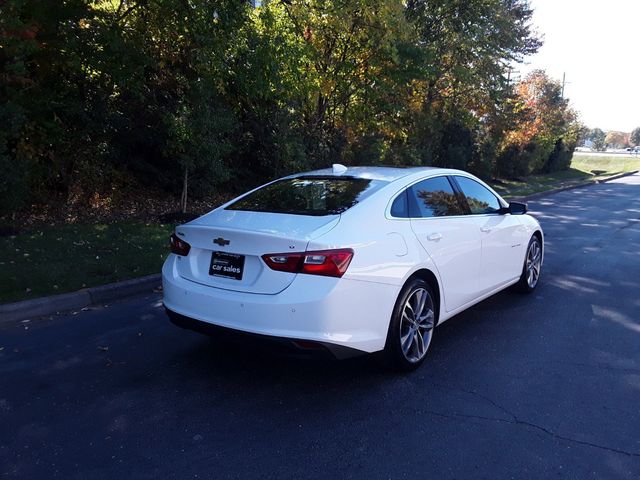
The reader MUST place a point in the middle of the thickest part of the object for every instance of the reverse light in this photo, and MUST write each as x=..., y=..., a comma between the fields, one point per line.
x=328, y=263
x=179, y=246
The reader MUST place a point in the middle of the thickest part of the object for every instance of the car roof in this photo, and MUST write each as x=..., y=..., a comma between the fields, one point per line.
x=387, y=174
x=392, y=174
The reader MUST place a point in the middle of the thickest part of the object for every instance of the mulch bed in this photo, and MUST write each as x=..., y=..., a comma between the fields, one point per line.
x=142, y=205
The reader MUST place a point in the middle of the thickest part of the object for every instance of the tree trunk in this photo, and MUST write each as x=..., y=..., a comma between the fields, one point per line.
x=185, y=185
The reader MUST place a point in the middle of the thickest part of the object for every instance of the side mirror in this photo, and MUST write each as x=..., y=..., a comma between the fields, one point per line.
x=517, y=208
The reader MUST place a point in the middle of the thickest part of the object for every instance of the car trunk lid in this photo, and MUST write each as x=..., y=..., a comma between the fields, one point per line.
x=227, y=245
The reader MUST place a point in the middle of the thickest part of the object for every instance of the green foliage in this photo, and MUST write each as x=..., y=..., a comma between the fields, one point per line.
x=634, y=138
x=597, y=138
x=543, y=131
x=560, y=157
x=96, y=95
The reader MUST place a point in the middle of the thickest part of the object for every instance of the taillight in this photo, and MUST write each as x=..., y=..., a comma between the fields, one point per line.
x=329, y=263
x=179, y=246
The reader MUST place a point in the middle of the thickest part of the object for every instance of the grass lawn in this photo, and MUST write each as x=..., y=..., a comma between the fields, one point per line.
x=611, y=164
x=70, y=257
x=584, y=168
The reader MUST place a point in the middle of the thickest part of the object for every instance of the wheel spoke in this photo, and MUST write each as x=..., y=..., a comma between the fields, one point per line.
x=415, y=307
x=420, y=348
x=409, y=306
x=422, y=299
x=538, y=255
x=426, y=321
x=406, y=342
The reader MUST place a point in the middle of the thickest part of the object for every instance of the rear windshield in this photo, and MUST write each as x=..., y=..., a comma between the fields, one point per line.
x=308, y=195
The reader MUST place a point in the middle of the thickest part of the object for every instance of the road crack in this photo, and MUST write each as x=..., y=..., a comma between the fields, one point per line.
x=514, y=420
x=608, y=368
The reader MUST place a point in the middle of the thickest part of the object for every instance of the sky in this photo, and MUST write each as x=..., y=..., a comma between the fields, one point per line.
x=596, y=44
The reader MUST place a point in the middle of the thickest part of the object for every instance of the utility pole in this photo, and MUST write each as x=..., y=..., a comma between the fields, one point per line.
x=509, y=71
x=564, y=82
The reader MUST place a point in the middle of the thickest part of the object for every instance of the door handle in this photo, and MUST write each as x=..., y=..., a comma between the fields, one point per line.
x=434, y=237
x=485, y=229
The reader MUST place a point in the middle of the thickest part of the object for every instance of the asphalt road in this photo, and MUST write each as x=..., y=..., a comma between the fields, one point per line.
x=608, y=153
x=538, y=386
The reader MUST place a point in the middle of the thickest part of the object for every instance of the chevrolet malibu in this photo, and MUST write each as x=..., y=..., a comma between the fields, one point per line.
x=351, y=260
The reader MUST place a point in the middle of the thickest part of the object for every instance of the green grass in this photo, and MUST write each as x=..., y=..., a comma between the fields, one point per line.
x=584, y=168
x=70, y=257
x=540, y=183
x=609, y=163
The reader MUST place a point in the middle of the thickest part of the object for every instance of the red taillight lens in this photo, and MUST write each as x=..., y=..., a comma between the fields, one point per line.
x=179, y=246
x=330, y=263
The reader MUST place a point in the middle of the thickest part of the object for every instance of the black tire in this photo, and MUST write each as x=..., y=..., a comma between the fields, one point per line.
x=411, y=330
x=525, y=284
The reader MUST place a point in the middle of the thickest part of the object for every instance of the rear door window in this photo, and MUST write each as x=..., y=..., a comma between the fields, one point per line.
x=309, y=195
x=433, y=197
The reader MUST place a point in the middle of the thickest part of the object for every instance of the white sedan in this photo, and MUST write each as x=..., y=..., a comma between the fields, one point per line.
x=351, y=260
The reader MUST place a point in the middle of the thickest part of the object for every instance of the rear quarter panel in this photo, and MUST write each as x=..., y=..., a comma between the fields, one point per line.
x=385, y=250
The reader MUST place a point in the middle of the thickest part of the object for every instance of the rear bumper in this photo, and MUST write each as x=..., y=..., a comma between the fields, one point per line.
x=286, y=346
x=330, y=311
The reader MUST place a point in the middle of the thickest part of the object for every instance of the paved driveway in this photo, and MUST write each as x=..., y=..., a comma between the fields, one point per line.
x=539, y=386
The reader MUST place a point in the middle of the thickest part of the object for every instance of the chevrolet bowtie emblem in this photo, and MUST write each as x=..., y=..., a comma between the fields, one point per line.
x=221, y=241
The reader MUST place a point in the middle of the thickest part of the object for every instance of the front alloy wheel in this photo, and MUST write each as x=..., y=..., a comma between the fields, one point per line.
x=532, y=267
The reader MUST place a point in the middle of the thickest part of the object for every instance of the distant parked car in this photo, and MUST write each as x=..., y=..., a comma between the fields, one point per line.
x=351, y=260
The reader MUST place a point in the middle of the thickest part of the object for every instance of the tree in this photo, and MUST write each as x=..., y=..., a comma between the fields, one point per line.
x=188, y=97
x=634, y=138
x=544, y=130
x=350, y=53
x=466, y=47
x=616, y=139
x=597, y=137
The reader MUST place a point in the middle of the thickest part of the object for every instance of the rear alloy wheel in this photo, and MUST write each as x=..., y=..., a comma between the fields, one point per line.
x=532, y=267
x=412, y=324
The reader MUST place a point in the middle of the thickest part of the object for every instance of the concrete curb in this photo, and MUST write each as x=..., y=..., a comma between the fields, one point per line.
x=75, y=300
x=533, y=196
